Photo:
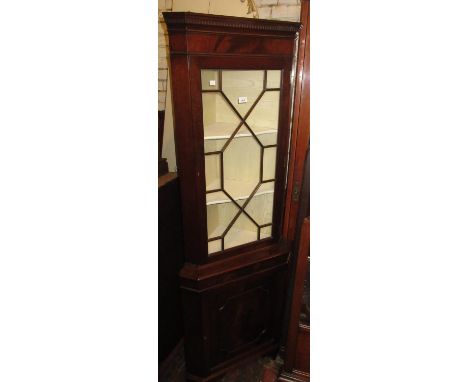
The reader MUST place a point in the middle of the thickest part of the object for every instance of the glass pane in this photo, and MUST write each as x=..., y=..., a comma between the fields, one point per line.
x=263, y=119
x=242, y=165
x=242, y=88
x=213, y=172
x=219, y=217
x=214, y=246
x=219, y=120
x=243, y=231
x=209, y=80
x=216, y=197
x=260, y=207
x=273, y=79
x=212, y=145
x=269, y=163
x=268, y=139
x=265, y=232
x=240, y=123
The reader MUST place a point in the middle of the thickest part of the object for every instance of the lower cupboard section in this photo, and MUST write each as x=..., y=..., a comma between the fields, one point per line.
x=231, y=321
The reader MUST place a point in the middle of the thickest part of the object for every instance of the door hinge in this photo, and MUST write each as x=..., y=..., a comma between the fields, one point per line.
x=296, y=191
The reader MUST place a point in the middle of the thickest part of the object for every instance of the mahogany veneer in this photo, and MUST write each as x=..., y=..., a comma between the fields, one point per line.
x=232, y=301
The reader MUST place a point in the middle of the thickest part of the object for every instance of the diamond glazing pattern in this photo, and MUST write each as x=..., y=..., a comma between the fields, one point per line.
x=258, y=147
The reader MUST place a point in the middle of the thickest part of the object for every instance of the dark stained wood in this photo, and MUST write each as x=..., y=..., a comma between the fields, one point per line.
x=300, y=272
x=229, y=45
x=163, y=167
x=190, y=162
x=296, y=355
x=188, y=128
x=166, y=178
x=162, y=162
x=161, y=114
x=201, y=277
x=302, y=360
x=232, y=320
x=232, y=302
x=170, y=261
x=188, y=21
x=301, y=124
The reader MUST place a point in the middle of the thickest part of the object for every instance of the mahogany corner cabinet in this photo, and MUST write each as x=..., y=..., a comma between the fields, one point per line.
x=231, y=89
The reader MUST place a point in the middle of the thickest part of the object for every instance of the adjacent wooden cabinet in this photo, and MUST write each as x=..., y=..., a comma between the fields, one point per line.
x=231, y=86
x=296, y=366
x=297, y=327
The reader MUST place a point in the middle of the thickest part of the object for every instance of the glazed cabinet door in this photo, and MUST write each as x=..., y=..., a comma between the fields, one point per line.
x=241, y=118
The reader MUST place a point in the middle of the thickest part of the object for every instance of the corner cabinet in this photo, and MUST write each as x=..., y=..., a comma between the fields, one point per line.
x=231, y=88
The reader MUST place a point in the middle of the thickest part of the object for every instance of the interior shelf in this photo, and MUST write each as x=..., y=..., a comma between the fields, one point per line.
x=223, y=130
x=238, y=190
x=236, y=237
x=239, y=237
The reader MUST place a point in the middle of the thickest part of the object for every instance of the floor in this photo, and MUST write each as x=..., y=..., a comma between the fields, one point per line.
x=261, y=370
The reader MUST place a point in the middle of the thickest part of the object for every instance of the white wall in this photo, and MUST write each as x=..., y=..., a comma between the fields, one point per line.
x=389, y=207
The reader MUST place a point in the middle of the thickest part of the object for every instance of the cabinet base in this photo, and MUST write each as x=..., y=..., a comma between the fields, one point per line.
x=232, y=315
x=233, y=365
